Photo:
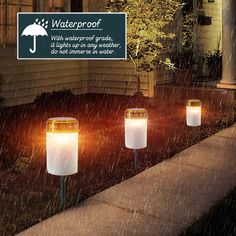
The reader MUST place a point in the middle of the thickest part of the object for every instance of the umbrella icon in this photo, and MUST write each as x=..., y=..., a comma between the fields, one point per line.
x=35, y=30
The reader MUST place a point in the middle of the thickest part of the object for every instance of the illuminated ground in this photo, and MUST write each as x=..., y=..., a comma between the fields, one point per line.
x=162, y=200
x=29, y=194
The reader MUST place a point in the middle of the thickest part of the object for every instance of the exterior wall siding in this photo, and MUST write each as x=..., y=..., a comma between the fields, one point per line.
x=209, y=37
x=117, y=77
x=22, y=81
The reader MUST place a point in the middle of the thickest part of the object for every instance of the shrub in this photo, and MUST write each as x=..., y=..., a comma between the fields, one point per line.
x=55, y=99
x=214, y=63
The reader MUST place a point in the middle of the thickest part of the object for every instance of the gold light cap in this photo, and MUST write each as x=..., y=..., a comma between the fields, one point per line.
x=136, y=113
x=62, y=125
x=193, y=103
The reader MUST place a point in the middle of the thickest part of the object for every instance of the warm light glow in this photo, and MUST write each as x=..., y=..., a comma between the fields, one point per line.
x=193, y=113
x=62, y=138
x=132, y=122
x=62, y=146
x=194, y=109
x=136, y=128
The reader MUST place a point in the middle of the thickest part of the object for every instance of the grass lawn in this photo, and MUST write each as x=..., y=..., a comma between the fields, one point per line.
x=28, y=194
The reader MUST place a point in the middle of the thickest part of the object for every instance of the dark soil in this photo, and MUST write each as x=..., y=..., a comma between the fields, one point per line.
x=28, y=194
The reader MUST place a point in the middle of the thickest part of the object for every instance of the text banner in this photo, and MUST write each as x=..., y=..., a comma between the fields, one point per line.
x=71, y=36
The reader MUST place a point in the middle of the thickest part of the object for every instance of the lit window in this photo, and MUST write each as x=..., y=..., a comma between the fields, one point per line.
x=9, y=9
x=8, y=14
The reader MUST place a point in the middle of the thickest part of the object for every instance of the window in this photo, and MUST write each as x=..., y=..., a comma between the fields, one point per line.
x=76, y=5
x=8, y=11
x=57, y=5
x=64, y=5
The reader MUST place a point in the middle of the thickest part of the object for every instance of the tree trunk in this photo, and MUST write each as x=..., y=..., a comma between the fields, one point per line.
x=138, y=92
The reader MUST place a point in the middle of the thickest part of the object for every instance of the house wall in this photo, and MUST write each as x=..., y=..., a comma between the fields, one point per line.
x=117, y=77
x=22, y=81
x=209, y=37
x=8, y=13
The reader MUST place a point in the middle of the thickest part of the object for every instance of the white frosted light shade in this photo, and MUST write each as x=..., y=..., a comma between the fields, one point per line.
x=193, y=113
x=136, y=128
x=62, y=146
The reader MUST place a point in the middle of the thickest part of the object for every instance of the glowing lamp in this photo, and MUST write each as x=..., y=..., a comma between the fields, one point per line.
x=62, y=146
x=193, y=112
x=136, y=128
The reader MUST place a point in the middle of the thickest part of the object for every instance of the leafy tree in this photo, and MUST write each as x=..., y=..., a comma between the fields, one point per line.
x=147, y=37
x=182, y=57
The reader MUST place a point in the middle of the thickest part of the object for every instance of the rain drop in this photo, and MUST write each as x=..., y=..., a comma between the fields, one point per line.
x=42, y=20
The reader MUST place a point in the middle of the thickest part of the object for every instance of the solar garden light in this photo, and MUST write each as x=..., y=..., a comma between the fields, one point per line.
x=136, y=130
x=193, y=112
x=62, y=150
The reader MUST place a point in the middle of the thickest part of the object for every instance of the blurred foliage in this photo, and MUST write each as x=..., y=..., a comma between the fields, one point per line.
x=147, y=37
x=213, y=61
x=187, y=32
x=183, y=58
x=54, y=99
x=10, y=151
x=22, y=164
